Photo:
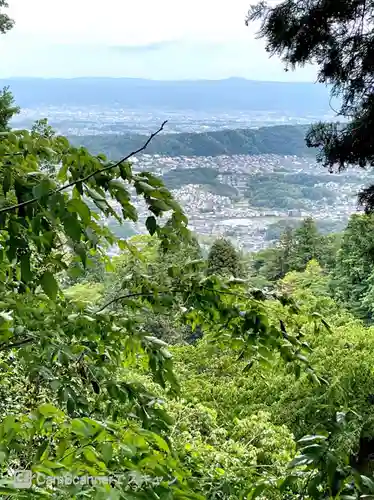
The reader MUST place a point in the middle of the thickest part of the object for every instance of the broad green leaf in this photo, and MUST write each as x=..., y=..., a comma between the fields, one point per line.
x=49, y=285
x=151, y=225
x=79, y=207
x=26, y=274
x=90, y=454
x=62, y=173
x=48, y=410
x=300, y=460
x=42, y=189
x=41, y=450
x=107, y=452
x=72, y=228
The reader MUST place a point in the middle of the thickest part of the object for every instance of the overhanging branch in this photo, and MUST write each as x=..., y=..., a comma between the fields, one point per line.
x=87, y=177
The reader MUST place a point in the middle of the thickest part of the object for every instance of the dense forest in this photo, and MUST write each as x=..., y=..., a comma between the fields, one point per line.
x=166, y=374
x=279, y=139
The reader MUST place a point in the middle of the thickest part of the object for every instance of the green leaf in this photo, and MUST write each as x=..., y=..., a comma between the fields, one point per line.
x=72, y=228
x=299, y=460
x=79, y=207
x=12, y=138
x=368, y=483
x=312, y=438
x=151, y=225
x=248, y=366
x=90, y=455
x=48, y=410
x=143, y=187
x=314, y=484
x=79, y=427
x=62, y=173
x=7, y=180
x=42, y=189
x=107, y=452
x=42, y=448
x=26, y=274
x=49, y=285
x=95, y=386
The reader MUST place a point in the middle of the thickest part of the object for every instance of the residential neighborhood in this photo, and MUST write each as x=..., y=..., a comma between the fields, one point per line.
x=234, y=216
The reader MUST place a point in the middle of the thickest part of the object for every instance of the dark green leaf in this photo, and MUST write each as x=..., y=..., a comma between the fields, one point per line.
x=7, y=180
x=151, y=225
x=72, y=228
x=26, y=274
x=49, y=285
x=248, y=366
x=95, y=386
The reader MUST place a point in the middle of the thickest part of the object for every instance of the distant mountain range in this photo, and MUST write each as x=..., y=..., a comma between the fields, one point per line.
x=280, y=140
x=201, y=95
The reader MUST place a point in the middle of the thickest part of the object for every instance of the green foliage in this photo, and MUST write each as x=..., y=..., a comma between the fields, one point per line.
x=351, y=281
x=295, y=248
x=68, y=355
x=338, y=40
x=342, y=357
x=85, y=294
x=7, y=106
x=284, y=192
x=178, y=177
x=225, y=462
x=306, y=244
x=89, y=384
x=72, y=403
x=5, y=22
x=320, y=472
x=224, y=259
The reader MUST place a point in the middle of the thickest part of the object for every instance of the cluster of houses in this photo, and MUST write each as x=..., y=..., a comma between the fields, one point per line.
x=212, y=215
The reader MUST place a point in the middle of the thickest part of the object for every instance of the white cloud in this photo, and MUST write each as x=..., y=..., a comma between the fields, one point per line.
x=67, y=38
x=128, y=22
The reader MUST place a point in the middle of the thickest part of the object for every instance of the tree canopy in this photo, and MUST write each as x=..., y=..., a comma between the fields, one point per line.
x=6, y=23
x=337, y=37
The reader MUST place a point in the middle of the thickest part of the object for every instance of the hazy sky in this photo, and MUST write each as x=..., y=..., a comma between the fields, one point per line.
x=165, y=39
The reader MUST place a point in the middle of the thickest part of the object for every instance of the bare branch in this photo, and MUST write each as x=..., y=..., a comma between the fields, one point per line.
x=123, y=297
x=87, y=177
x=250, y=296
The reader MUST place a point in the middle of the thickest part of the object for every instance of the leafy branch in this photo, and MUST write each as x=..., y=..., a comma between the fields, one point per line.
x=89, y=176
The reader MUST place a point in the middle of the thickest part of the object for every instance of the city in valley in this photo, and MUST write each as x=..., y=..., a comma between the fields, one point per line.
x=243, y=173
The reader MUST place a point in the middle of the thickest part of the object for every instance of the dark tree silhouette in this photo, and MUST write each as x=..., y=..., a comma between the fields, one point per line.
x=338, y=37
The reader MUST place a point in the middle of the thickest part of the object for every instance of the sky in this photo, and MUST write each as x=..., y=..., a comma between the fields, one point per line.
x=167, y=40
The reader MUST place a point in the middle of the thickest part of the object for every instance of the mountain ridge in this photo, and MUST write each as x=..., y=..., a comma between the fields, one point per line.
x=301, y=98
x=276, y=139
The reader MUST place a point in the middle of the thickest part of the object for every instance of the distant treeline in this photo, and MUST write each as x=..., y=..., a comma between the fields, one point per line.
x=280, y=140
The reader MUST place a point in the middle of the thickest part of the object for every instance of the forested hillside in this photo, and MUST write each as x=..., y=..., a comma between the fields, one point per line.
x=282, y=140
